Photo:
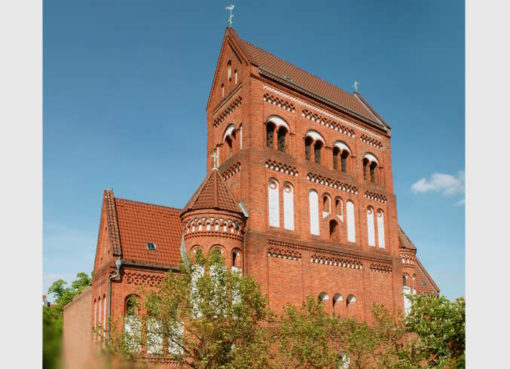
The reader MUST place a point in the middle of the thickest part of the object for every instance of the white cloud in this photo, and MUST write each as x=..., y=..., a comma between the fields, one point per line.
x=446, y=184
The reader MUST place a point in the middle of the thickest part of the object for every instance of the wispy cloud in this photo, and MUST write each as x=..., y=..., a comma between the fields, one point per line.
x=446, y=184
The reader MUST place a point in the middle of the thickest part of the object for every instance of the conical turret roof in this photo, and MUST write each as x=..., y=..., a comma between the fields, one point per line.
x=213, y=193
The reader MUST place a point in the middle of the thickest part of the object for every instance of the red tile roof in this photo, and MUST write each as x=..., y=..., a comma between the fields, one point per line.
x=404, y=241
x=213, y=193
x=288, y=74
x=139, y=223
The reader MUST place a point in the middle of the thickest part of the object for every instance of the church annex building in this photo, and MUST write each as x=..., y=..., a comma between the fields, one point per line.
x=298, y=194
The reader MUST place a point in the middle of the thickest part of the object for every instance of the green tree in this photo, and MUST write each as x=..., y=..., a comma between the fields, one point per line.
x=440, y=326
x=64, y=295
x=204, y=316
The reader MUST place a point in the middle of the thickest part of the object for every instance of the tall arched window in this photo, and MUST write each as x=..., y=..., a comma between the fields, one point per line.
x=370, y=164
x=406, y=290
x=132, y=323
x=370, y=226
x=336, y=299
x=175, y=335
x=351, y=232
x=326, y=205
x=380, y=228
x=222, y=90
x=288, y=206
x=339, y=208
x=235, y=76
x=313, y=140
x=229, y=70
x=274, y=203
x=237, y=260
x=340, y=151
x=154, y=336
x=282, y=133
x=270, y=135
x=313, y=201
x=323, y=296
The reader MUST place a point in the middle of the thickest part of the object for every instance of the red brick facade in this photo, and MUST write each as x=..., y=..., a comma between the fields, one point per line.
x=254, y=94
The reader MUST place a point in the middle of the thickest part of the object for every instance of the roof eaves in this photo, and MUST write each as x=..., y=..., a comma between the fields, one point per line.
x=285, y=81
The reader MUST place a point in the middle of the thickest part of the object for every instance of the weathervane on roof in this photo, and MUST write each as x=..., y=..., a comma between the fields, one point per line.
x=355, y=85
x=230, y=8
x=214, y=157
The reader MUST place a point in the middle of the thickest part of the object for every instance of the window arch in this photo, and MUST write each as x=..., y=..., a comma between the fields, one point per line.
x=370, y=164
x=229, y=70
x=276, y=123
x=370, y=226
x=235, y=76
x=229, y=138
x=288, y=206
x=132, y=323
x=323, y=296
x=351, y=229
x=339, y=208
x=351, y=299
x=314, y=140
x=326, y=205
x=337, y=298
x=237, y=260
x=340, y=152
x=380, y=228
x=313, y=204
x=274, y=203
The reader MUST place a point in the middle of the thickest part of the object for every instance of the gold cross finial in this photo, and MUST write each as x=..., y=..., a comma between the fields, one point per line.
x=355, y=85
x=230, y=8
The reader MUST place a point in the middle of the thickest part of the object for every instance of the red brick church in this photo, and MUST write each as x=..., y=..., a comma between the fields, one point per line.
x=298, y=194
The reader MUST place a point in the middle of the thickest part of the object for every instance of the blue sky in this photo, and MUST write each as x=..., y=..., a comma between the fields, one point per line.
x=124, y=79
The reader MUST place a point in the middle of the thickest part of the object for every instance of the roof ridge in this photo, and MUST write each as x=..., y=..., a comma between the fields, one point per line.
x=112, y=221
x=147, y=203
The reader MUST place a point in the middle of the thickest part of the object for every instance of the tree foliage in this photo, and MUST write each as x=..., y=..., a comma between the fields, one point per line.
x=64, y=295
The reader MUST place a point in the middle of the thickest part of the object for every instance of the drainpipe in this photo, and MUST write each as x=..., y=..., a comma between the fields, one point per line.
x=118, y=264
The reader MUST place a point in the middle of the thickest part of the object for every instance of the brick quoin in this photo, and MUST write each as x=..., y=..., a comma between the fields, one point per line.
x=288, y=264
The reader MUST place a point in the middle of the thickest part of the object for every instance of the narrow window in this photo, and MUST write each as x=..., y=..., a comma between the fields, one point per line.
x=104, y=313
x=308, y=148
x=282, y=132
x=380, y=228
x=270, y=135
x=274, y=208
x=339, y=208
x=333, y=230
x=229, y=70
x=372, y=172
x=154, y=336
x=175, y=339
x=344, y=157
x=370, y=226
x=228, y=140
x=236, y=260
x=336, y=150
x=222, y=90
x=235, y=76
x=317, y=152
x=196, y=274
x=365, y=164
x=132, y=324
x=323, y=297
x=326, y=206
x=288, y=207
x=407, y=303
x=351, y=233
x=313, y=198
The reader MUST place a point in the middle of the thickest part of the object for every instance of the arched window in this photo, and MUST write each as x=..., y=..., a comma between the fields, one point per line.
x=380, y=228
x=237, y=260
x=315, y=140
x=282, y=133
x=336, y=152
x=270, y=135
x=274, y=203
x=336, y=299
x=323, y=296
x=326, y=205
x=313, y=204
x=317, y=151
x=351, y=299
x=229, y=70
x=175, y=335
x=339, y=208
x=222, y=90
x=235, y=76
x=154, y=336
x=228, y=140
x=370, y=164
x=132, y=323
x=197, y=273
x=288, y=206
x=351, y=232
x=370, y=226
x=308, y=148
x=340, y=151
x=333, y=230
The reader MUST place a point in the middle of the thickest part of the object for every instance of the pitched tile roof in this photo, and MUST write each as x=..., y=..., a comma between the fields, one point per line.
x=273, y=67
x=213, y=193
x=404, y=240
x=139, y=223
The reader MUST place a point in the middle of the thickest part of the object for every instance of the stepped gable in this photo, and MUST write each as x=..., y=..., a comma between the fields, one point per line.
x=139, y=223
x=213, y=193
x=404, y=241
x=293, y=76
